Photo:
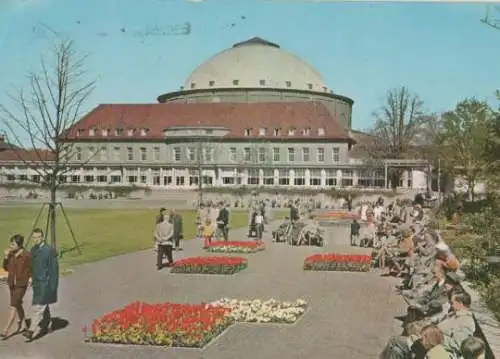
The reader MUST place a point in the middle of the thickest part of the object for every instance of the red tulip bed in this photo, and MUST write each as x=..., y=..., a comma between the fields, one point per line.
x=168, y=324
x=338, y=262
x=210, y=265
x=236, y=246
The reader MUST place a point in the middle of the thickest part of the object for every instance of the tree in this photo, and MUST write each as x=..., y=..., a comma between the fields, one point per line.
x=494, y=149
x=42, y=114
x=466, y=135
x=397, y=129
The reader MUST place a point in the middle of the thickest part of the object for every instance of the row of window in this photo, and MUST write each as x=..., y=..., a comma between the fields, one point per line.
x=248, y=132
x=263, y=131
x=262, y=82
x=249, y=154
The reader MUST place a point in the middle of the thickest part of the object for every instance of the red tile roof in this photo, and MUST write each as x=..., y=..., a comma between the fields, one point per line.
x=236, y=117
x=27, y=156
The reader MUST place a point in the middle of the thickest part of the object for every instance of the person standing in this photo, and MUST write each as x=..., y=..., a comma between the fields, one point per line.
x=17, y=264
x=223, y=221
x=176, y=220
x=164, y=236
x=45, y=284
x=355, y=227
x=259, y=225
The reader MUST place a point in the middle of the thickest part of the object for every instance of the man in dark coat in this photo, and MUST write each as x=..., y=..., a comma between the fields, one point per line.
x=294, y=212
x=223, y=221
x=45, y=283
x=176, y=220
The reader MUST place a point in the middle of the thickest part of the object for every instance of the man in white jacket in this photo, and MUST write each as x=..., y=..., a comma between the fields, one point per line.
x=164, y=237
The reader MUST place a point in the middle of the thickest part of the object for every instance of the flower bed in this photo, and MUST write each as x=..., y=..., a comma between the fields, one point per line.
x=236, y=246
x=169, y=324
x=259, y=311
x=210, y=265
x=338, y=262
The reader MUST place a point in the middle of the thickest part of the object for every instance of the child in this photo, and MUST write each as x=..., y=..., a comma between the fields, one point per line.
x=208, y=233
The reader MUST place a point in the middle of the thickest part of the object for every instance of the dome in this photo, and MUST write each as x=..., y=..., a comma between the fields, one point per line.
x=256, y=63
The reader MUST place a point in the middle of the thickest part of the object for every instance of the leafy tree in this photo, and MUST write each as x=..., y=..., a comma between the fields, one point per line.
x=398, y=129
x=466, y=136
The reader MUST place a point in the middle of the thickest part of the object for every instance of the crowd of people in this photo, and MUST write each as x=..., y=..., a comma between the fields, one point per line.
x=438, y=323
x=38, y=269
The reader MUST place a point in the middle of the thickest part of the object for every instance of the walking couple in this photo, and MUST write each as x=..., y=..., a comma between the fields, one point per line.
x=39, y=269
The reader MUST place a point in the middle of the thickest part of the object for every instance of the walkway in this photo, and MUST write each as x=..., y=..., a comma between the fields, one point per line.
x=350, y=316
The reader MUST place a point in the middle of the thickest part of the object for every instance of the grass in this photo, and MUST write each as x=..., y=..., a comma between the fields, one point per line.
x=101, y=233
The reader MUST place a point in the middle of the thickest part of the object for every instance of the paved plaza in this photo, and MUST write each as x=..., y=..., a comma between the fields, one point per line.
x=350, y=315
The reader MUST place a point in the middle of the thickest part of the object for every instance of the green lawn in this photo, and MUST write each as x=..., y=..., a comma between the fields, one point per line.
x=101, y=233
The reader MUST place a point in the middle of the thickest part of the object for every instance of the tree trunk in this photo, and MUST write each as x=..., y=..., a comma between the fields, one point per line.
x=52, y=215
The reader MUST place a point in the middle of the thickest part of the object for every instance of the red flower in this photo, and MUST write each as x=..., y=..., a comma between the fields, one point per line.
x=338, y=258
x=210, y=261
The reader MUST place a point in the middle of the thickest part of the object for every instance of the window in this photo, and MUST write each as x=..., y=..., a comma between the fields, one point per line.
x=177, y=154
x=262, y=82
x=262, y=131
x=248, y=132
x=291, y=154
x=306, y=131
x=92, y=132
x=130, y=153
x=78, y=153
x=336, y=155
x=211, y=83
x=347, y=178
x=155, y=174
x=331, y=177
x=105, y=132
x=79, y=133
x=209, y=154
x=321, y=131
x=300, y=177
x=315, y=178
x=277, y=132
x=91, y=153
x=116, y=154
x=288, y=84
x=131, y=132
x=144, y=154
x=193, y=85
x=291, y=132
x=321, y=154
x=144, y=131
x=309, y=86
x=209, y=132
x=262, y=154
x=104, y=154
x=236, y=82
x=283, y=177
x=232, y=154
x=276, y=154
x=156, y=155
x=247, y=154
x=191, y=154
x=305, y=154
x=268, y=176
x=119, y=132
x=253, y=176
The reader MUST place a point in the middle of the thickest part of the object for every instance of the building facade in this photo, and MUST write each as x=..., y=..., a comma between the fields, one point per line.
x=252, y=115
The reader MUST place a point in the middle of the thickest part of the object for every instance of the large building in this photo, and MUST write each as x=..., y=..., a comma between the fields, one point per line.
x=253, y=115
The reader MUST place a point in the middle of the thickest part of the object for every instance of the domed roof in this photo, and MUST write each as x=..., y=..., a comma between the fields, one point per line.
x=256, y=63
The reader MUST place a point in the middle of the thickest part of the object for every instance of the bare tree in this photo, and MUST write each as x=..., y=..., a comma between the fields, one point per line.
x=42, y=114
x=397, y=130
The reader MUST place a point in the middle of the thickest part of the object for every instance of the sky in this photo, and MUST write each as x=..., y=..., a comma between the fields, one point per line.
x=138, y=50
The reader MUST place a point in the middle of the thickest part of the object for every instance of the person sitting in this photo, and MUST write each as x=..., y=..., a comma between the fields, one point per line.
x=473, y=348
x=445, y=256
x=401, y=249
x=432, y=340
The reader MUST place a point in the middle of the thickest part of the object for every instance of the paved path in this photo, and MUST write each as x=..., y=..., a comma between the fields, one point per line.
x=350, y=316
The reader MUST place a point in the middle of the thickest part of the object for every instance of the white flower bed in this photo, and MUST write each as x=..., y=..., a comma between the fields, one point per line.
x=234, y=249
x=260, y=311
